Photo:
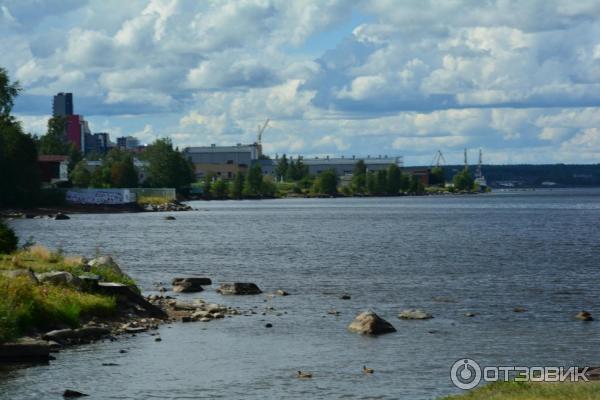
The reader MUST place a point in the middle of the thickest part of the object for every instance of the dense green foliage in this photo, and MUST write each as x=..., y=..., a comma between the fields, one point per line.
x=437, y=176
x=218, y=189
x=326, y=183
x=463, y=180
x=359, y=177
x=168, y=166
x=236, y=189
x=19, y=175
x=116, y=171
x=8, y=239
x=253, y=183
x=80, y=176
x=296, y=170
x=281, y=170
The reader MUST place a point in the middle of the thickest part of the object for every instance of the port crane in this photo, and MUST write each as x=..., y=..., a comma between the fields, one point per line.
x=438, y=159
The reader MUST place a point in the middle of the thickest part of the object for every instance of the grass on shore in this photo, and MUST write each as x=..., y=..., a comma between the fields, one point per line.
x=40, y=259
x=26, y=306
x=532, y=391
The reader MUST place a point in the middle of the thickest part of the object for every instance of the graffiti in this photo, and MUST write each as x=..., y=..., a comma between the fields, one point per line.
x=100, y=196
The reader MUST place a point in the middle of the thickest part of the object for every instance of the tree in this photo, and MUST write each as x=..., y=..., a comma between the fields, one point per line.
x=359, y=177
x=8, y=239
x=207, y=184
x=326, y=183
x=416, y=186
x=282, y=167
x=19, y=174
x=8, y=92
x=252, y=185
x=381, y=182
x=55, y=140
x=394, y=180
x=463, y=180
x=81, y=176
x=297, y=170
x=237, y=187
x=436, y=177
x=168, y=167
x=123, y=174
x=371, y=183
x=218, y=189
x=268, y=188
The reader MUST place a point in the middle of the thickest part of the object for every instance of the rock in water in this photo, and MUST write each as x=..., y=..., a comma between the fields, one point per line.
x=414, y=314
x=170, y=218
x=369, y=323
x=239, y=288
x=584, y=316
x=519, y=309
x=191, y=284
x=281, y=292
x=71, y=394
x=61, y=216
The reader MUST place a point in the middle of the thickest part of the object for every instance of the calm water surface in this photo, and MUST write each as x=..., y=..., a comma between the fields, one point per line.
x=447, y=255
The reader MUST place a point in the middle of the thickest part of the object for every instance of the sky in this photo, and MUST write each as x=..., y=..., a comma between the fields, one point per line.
x=518, y=79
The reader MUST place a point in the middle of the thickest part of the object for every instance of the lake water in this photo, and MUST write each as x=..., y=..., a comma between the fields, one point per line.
x=448, y=255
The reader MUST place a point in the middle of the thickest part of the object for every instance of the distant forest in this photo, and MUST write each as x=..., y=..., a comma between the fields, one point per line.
x=525, y=176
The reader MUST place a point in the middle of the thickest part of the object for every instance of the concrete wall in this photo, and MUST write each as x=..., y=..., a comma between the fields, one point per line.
x=100, y=196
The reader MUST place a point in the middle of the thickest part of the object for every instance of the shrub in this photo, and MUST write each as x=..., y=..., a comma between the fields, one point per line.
x=8, y=239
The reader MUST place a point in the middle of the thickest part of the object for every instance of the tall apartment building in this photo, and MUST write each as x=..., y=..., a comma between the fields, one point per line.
x=62, y=105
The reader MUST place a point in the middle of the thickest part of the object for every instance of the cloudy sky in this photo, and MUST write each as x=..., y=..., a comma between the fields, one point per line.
x=518, y=79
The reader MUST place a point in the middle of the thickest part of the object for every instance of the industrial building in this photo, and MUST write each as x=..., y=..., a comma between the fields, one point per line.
x=342, y=165
x=222, y=161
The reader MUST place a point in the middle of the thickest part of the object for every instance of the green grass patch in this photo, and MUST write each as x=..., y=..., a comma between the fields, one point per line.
x=25, y=305
x=532, y=391
x=40, y=259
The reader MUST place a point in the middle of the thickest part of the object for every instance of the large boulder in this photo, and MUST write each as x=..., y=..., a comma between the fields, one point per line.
x=414, y=313
x=196, y=280
x=59, y=278
x=105, y=262
x=369, y=323
x=14, y=273
x=239, y=288
x=190, y=285
x=25, y=349
x=126, y=295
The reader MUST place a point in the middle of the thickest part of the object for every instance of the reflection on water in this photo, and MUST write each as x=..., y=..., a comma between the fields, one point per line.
x=447, y=255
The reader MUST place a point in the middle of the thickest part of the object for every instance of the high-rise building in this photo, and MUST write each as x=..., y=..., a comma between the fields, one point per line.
x=62, y=105
x=128, y=142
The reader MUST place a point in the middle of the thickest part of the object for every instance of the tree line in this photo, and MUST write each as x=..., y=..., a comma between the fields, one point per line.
x=20, y=181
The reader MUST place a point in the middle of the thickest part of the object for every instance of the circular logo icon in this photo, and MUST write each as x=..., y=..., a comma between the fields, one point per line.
x=465, y=374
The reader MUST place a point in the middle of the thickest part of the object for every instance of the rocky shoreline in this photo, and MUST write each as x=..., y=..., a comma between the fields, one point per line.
x=134, y=312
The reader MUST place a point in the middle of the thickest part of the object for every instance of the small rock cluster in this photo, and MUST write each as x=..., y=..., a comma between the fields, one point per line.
x=198, y=310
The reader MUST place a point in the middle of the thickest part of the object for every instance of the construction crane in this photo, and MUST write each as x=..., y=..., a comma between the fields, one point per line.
x=261, y=129
x=438, y=159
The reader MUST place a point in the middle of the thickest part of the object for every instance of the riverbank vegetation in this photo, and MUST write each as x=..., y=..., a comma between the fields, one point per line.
x=532, y=391
x=28, y=306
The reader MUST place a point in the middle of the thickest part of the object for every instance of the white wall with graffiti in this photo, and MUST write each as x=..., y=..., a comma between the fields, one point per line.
x=100, y=196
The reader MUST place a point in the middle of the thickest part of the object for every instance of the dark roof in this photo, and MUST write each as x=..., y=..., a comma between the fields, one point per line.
x=52, y=158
